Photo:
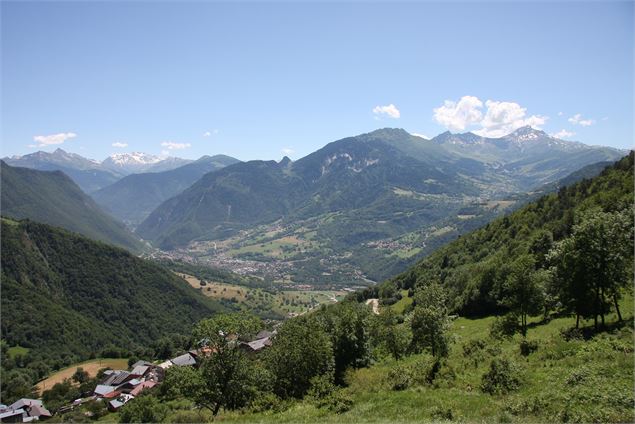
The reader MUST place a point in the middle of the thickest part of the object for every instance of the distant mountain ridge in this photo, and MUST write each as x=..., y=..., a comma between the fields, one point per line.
x=368, y=173
x=53, y=198
x=91, y=175
x=134, y=197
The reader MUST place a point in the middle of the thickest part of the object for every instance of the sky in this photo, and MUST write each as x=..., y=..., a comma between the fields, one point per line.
x=259, y=80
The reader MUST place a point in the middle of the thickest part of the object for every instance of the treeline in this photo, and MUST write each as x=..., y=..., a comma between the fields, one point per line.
x=569, y=251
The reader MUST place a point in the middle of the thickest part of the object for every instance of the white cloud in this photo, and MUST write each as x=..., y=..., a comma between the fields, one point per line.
x=577, y=120
x=164, y=153
x=563, y=134
x=503, y=118
x=287, y=151
x=560, y=113
x=32, y=146
x=456, y=116
x=389, y=110
x=500, y=119
x=46, y=140
x=420, y=135
x=170, y=145
x=119, y=144
x=209, y=133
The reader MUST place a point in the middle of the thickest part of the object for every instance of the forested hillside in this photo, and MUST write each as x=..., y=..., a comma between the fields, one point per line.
x=53, y=198
x=66, y=298
x=473, y=268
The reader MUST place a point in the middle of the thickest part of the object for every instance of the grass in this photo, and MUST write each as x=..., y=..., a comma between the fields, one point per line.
x=91, y=367
x=14, y=351
x=403, y=303
x=563, y=380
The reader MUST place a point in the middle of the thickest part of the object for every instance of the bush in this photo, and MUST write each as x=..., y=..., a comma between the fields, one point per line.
x=528, y=347
x=502, y=377
x=338, y=402
x=400, y=378
x=441, y=413
x=504, y=327
x=268, y=402
x=143, y=409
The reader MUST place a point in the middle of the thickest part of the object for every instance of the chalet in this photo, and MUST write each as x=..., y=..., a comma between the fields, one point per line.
x=115, y=404
x=106, y=391
x=184, y=360
x=141, y=387
x=24, y=411
x=260, y=342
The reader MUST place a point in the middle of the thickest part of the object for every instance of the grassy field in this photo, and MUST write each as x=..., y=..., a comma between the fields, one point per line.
x=14, y=351
x=91, y=367
x=563, y=380
x=260, y=301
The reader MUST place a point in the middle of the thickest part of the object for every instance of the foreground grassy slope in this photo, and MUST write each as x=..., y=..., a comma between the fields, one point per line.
x=564, y=380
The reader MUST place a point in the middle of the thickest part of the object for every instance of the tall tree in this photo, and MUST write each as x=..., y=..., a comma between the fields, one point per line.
x=226, y=378
x=301, y=350
x=594, y=265
x=523, y=291
x=430, y=321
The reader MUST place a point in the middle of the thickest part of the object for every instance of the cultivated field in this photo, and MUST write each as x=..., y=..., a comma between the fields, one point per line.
x=91, y=367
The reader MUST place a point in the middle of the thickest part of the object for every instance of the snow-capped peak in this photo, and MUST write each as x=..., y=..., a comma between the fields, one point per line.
x=134, y=158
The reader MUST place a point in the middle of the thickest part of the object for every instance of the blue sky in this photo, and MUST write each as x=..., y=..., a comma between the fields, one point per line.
x=258, y=80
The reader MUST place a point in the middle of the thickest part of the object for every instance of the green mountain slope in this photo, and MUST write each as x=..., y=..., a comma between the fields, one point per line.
x=53, y=198
x=470, y=266
x=135, y=196
x=63, y=294
x=344, y=176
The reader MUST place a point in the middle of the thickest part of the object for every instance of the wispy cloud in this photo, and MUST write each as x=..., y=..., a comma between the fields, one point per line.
x=47, y=140
x=390, y=111
x=578, y=120
x=563, y=134
x=209, y=133
x=119, y=144
x=170, y=145
x=287, y=151
x=500, y=117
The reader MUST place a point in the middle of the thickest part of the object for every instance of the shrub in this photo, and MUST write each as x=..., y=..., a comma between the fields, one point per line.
x=528, y=347
x=502, y=377
x=504, y=327
x=268, y=402
x=400, y=377
x=441, y=413
x=338, y=402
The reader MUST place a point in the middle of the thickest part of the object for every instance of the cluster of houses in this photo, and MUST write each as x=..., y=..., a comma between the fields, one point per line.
x=118, y=387
x=24, y=411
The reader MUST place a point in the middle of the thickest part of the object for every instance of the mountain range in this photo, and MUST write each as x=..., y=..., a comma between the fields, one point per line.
x=134, y=197
x=388, y=175
x=362, y=207
x=91, y=175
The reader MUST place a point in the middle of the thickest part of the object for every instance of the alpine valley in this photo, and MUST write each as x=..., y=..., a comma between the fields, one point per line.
x=362, y=208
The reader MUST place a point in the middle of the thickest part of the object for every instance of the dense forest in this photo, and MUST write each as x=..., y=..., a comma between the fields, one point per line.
x=66, y=298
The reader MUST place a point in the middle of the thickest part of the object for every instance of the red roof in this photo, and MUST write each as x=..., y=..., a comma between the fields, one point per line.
x=140, y=387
